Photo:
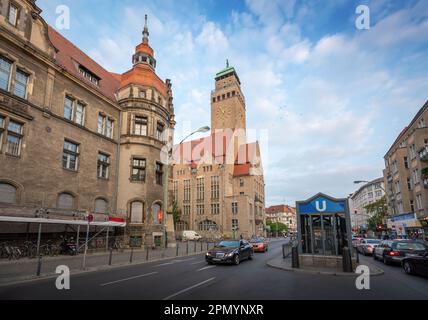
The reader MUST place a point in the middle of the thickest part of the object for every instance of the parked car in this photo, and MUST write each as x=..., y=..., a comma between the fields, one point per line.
x=259, y=245
x=366, y=246
x=356, y=241
x=230, y=251
x=191, y=235
x=394, y=251
x=417, y=264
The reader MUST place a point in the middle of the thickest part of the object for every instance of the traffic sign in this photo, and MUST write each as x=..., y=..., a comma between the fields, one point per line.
x=90, y=218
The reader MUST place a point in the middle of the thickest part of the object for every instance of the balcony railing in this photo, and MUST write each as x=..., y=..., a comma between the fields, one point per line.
x=423, y=153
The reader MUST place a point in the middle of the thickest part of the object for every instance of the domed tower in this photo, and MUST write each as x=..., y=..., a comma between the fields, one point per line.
x=147, y=125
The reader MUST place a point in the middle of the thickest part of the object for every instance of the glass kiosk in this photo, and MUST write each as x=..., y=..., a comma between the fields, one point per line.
x=323, y=225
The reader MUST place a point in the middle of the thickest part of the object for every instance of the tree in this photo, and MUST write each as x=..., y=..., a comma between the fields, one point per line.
x=276, y=226
x=176, y=213
x=377, y=210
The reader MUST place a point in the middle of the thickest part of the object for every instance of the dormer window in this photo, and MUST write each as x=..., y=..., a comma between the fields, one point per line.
x=142, y=94
x=13, y=15
x=89, y=75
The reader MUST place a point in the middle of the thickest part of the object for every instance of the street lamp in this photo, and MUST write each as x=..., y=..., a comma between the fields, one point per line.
x=165, y=180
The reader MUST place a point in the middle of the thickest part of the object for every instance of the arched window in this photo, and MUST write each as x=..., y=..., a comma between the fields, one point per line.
x=208, y=225
x=8, y=193
x=65, y=201
x=157, y=213
x=137, y=209
x=101, y=206
x=181, y=226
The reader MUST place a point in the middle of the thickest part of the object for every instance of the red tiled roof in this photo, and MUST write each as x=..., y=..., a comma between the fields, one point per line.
x=69, y=57
x=279, y=209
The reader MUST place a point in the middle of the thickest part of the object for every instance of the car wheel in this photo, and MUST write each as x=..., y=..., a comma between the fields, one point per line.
x=408, y=267
x=209, y=262
x=385, y=260
x=236, y=259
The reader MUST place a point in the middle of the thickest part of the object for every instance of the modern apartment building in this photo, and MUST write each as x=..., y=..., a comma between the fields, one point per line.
x=367, y=194
x=406, y=177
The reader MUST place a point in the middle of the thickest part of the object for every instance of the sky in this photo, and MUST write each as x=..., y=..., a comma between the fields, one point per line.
x=330, y=98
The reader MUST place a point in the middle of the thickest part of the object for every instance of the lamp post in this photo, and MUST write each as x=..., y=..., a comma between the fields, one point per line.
x=165, y=180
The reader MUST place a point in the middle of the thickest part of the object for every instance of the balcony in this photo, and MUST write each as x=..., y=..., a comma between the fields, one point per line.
x=423, y=153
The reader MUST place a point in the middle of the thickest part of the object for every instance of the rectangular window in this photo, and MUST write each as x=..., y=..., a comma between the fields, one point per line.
x=406, y=163
x=160, y=131
x=412, y=151
x=419, y=202
x=186, y=210
x=68, y=108
x=215, y=187
x=186, y=190
x=101, y=124
x=80, y=113
x=2, y=122
x=138, y=169
x=412, y=206
x=21, y=83
x=409, y=185
x=200, y=189
x=140, y=126
x=200, y=209
x=378, y=193
x=235, y=224
x=234, y=207
x=159, y=173
x=14, y=138
x=415, y=176
x=241, y=182
x=12, y=17
x=142, y=94
x=103, y=164
x=109, y=128
x=215, y=208
x=175, y=191
x=70, y=155
x=5, y=71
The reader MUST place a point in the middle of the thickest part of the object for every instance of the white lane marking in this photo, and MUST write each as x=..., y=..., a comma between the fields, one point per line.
x=164, y=264
x=205, y=268
x=198, y=262
x=183, y=260
x=189, y=288
x=126, y=279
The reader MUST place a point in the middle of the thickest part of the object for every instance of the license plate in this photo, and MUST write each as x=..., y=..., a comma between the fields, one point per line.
x=215, y=259
x=411, y=255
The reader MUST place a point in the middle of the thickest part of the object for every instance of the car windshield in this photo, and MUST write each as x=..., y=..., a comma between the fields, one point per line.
x=228, y=244
x=373, y=241
x=256, y=240
x=410, y=246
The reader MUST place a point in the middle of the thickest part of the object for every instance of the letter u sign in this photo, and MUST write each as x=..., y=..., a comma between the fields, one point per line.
x=324, y=206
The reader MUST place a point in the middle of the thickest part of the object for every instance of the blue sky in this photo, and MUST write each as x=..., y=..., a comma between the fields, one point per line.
x=331, y=97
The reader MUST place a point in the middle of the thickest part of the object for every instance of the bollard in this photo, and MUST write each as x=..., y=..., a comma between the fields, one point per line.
x=194, y=242
x=346, y=259
x=132, y=255
x=176, y=249
x=110, y=256
x=39, y=265
x=295, y=257
x=283, y=251
x=147, y=252
x=201, y=246
x=358, y=255
x=187, y=247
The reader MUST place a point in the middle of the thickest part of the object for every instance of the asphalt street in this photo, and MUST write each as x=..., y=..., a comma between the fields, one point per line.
x=190, y=278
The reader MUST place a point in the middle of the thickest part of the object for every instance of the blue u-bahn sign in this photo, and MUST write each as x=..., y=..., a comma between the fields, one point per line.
x=321, y=203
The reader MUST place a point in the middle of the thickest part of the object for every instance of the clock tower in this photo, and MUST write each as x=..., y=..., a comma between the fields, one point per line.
x=227, y=101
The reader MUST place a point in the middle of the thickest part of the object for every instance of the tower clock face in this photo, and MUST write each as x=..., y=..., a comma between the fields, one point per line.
x=224, y=112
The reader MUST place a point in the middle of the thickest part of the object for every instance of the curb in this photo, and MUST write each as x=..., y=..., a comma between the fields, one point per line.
x=378, y=271
x=30, y=279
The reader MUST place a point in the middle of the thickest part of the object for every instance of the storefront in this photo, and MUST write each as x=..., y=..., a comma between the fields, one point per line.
x=405, y=225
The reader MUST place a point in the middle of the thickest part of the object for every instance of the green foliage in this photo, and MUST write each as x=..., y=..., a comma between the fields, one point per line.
x=276, y=226
x=424, y=172
x=377, y=210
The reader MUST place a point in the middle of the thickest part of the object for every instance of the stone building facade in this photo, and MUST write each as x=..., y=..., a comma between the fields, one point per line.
x=283, y=214
x=74, y=137
x=406, y=177
x=218, y=182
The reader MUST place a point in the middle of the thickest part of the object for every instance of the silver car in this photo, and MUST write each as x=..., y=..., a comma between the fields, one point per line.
x=367, y=246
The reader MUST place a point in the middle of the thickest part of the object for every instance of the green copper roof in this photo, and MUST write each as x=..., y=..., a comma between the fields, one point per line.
x=226, y=71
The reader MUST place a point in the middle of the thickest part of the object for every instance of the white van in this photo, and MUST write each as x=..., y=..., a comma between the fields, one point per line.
x=191, y=235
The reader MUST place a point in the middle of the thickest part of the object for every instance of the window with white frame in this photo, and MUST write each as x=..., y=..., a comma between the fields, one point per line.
x=419, y=202
x=103, y=165
x=412, y=150
x=415, y=174
x=215, y=187
x=200, y=209
x=200, y=190
x=14, y=138
x=70, y=155
x=186, y=190
x=5, y=72
x=234, y=207
x=109, y=128
x=2, y=124
x=397, y=187
x=12, y=16
x=215, y=208
x=175, y=191
x=140, y=125
x=160, y=129
x=105, y=125
x=138, y=169
x=235, y=224
x=74, y=110
x=186, y=210
x=21, y=84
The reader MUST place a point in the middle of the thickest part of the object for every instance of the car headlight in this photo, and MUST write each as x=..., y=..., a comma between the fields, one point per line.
x=230, y=254
x=208, y=254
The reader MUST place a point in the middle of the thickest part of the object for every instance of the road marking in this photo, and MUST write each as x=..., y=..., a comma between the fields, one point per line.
x=189, y=288
x=126, y=279
x=183, y=260
x=197, y=262
x=164, y=264
x=205, y=268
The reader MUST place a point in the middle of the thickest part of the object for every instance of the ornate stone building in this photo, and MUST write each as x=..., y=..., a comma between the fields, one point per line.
x=218, y=181
x=74, y=137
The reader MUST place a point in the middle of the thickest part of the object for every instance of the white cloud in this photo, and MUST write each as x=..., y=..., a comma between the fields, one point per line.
x=212, y=38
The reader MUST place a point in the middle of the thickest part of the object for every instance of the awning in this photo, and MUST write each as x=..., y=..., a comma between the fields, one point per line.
x=112, y=223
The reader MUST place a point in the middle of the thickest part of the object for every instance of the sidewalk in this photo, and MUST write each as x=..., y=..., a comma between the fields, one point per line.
x=12, y=271
x=285, y=264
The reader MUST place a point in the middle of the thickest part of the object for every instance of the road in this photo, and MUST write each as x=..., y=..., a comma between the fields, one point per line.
x=191, y=278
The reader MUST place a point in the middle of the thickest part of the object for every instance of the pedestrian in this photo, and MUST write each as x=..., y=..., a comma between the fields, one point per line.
x=241, y=236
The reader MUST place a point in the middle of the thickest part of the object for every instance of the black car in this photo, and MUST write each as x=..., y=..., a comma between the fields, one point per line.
x=230, y=251
x=417, y=264
x=394, y=251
